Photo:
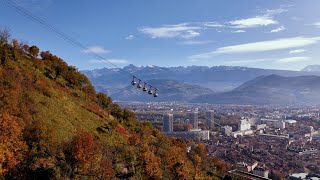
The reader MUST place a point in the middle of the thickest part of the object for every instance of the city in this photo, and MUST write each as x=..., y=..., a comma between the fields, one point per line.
x=258, y=140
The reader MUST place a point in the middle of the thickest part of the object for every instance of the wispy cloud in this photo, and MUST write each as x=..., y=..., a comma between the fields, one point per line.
x=130, y=37
x=297, y=51
x=281, y=28
x=212, y=24
x=114, y=61
x=266, y=19
x=253, y=22
x=96, y=49
x=188, y=30
x=245, y=62
x=238, y=31
x=292, y=59
x=285, y=60
x=317, y=24
x=261, y=46
x=274, y=12
x=194, y=42
x=184, y=31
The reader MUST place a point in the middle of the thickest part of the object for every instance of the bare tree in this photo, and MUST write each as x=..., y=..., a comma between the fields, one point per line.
x=4, y=35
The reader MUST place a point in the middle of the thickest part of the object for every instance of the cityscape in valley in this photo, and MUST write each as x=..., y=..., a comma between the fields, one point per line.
x=160, y=90
x=255, y=140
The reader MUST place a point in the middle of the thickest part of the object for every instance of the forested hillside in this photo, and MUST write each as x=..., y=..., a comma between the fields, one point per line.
x=54, y=125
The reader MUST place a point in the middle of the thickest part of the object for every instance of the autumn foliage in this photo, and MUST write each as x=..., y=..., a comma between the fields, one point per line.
x=11, y=143
x=109, y=143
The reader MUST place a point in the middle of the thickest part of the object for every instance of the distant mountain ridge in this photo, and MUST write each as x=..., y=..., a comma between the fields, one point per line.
x=171, y=90
x=272, y=89
x=216, y=78
x=312, y=68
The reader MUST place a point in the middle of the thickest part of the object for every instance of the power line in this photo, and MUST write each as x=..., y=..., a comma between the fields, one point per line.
x=60, y=33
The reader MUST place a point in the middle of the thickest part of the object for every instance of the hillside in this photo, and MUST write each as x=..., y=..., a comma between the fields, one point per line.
x=272, y=89
x=54, y=125
x=171, y=90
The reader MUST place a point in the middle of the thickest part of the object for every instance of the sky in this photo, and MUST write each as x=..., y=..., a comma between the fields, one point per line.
x=273, y=34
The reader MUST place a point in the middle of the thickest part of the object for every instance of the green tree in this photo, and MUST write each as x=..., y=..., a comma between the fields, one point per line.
x=103, y=100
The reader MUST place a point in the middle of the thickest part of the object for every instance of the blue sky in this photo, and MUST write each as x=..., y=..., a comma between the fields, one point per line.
x=277, y=34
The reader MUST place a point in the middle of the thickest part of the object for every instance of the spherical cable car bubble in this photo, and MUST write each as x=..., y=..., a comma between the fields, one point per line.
x=155, y=94
x=139, y=85
x=150, y=90
x=144, y=86
x=133, y=82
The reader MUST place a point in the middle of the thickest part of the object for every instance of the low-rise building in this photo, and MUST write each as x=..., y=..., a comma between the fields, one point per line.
x=260, y=171
x=193, y=134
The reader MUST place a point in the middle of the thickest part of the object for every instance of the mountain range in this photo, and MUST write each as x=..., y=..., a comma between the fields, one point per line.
x=217, y=84
x=171, y=90
x=272, y=89
x=312, y=68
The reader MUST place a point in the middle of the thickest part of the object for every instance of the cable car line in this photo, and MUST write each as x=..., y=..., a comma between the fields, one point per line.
x=64, y=36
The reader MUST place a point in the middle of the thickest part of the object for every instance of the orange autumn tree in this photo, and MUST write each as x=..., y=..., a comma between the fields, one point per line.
x=151, y=164
x=11, y=143
x=81, y=151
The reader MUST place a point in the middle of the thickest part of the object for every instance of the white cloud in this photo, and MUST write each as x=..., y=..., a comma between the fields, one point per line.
x=130, y=37
x=212, y=24
x=292, y=59
x=278, y=61
x=277, y=44
x=114, y=61
x=273, y=12
x=253, y=22
x=245, y=62
x=238, y=31
x=317, y=24
x=184, y=30
x=96, y=49
x=266, y=19
x=195, y=42
x=188, y=30
x=281, y=28
x=297, y=51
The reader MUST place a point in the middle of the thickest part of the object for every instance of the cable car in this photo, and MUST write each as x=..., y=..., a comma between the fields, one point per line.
x=155, y=94
x=139, y=85
x=144, y=87
x=150, y=90
x=133, y=82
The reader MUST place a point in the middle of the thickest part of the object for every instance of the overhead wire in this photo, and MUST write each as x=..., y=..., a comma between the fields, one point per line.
x=61, y=34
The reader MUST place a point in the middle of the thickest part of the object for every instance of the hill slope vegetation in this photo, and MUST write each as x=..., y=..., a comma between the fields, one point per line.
x=53, y=125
